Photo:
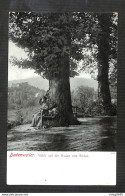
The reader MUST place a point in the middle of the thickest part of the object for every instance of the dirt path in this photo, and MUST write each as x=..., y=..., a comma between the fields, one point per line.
x=94, y=134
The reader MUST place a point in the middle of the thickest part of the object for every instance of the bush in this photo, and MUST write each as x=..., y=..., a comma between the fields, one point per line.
x=19, y=116
x=86, y=100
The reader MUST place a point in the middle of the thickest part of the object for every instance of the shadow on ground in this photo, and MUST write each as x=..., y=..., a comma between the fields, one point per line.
x=94, y=134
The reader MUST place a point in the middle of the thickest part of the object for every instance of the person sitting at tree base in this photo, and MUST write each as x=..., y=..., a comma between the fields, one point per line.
x=45, y=110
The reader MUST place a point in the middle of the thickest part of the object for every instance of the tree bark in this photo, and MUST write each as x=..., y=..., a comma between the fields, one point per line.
x=60, y=93
x=104, y=91
x=103, y=65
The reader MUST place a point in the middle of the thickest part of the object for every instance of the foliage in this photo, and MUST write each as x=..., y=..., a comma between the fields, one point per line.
x=104, y=40
x=47, y=38
x=98, y=30
x=19, y=116
x=84, y=97
x=87, y=102
x=23, y=95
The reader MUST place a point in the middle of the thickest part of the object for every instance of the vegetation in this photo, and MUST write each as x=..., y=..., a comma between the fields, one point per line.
x=55, y=43
x=20, y=110
x=87, y=102
x=23, y=95
x=101, y=58
x=23, y=102
x=15, y=116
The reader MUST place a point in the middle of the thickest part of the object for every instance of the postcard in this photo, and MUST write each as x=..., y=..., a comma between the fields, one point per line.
x=62, y=98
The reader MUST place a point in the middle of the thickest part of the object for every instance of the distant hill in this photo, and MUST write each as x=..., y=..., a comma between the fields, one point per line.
x=36, y=82
x=75, y=82
x=44, y=84
x=24, y=95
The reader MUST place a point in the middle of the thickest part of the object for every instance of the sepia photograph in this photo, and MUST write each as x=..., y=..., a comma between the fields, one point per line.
x=62, y=81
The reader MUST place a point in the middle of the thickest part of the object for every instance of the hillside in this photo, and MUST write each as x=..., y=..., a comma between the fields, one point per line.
x=23, y=95
x=36, y=82
x=75, y=82
x=44, y=84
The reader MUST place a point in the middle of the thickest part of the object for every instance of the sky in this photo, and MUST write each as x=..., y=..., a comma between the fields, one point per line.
x=15, y=73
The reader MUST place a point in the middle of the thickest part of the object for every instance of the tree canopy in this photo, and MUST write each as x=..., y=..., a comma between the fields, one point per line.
x=102, y=24
x=48, y=37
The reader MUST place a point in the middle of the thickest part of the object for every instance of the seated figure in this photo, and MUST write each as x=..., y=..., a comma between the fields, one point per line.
x=45, y=110
x=37, y=118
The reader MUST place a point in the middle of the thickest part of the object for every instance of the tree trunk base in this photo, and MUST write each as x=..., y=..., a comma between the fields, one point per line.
x=111, y=110
x=54, y=122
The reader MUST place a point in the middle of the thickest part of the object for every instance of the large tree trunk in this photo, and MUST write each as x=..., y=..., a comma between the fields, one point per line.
x=104, y=91
x=60, y=93
x=103, y=59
